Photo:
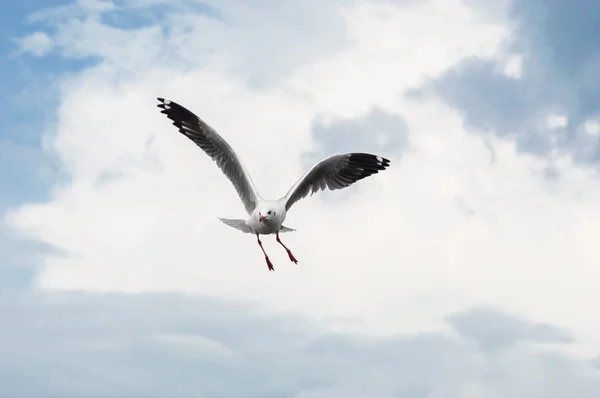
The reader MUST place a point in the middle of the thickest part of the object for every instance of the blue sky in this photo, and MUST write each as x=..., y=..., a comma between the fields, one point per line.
x=26, y=171
x=468, y=264
x=22, y=121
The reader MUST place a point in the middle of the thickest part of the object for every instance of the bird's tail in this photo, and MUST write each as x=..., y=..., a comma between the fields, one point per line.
x=241, y=225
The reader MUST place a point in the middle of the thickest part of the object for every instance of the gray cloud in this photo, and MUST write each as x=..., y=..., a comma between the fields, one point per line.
x=85, y=345
x=493, y=329
x=560, y=43
x=377, y=132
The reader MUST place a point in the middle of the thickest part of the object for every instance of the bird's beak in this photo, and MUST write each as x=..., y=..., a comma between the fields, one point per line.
x=261, y=217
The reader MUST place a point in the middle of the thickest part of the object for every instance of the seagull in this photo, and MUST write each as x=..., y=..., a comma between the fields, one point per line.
x=266, y=217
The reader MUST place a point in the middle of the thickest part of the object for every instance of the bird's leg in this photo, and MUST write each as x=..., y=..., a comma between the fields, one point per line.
x=289, y=252
x=269, y=263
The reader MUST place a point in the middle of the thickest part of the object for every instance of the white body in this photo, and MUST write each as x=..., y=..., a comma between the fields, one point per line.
x=271, y=224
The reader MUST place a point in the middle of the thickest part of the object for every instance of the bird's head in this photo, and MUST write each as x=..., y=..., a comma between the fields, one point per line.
x=265, y=214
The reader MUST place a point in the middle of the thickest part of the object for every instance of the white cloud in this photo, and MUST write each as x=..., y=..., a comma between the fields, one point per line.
x=192, y=345
x=396, y=258
x=38, y=44
x=513, y=66
x=592, y=127
x=556, y=121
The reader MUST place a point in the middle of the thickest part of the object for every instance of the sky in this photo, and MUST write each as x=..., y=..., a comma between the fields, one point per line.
x=467, y=269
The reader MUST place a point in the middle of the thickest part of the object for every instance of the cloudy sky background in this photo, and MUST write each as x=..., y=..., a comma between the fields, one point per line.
x=467, y=269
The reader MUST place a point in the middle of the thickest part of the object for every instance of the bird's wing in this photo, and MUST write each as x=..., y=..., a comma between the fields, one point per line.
x=214, y=146
x=238, y=224
x=335, y=172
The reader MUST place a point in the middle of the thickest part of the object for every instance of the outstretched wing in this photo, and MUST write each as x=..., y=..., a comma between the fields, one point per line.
x=214, y=146
x=336, y=172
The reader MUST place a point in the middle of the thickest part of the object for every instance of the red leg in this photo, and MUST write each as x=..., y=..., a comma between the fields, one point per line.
x=269, y=263
x=289, y=252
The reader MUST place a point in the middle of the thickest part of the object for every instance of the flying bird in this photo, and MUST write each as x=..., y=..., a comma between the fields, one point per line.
x=266, y=217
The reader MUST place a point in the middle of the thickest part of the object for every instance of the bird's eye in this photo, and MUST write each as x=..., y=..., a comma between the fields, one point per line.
x=269, y=212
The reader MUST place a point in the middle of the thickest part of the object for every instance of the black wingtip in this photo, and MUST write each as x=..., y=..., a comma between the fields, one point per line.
x=162, y=103
x=369, y=161
x=174, y=110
